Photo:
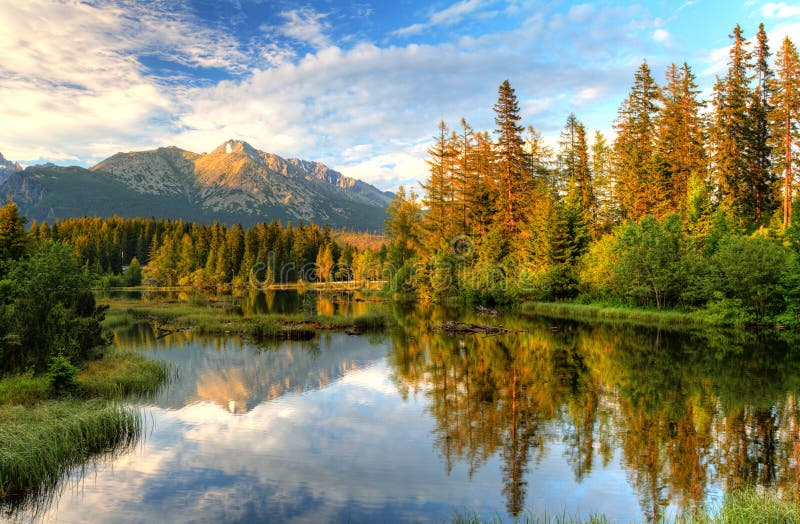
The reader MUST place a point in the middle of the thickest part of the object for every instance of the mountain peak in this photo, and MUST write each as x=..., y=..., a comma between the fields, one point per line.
x=239, y=147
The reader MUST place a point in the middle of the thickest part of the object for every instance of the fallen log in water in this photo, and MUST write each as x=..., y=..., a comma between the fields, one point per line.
x=463, y=328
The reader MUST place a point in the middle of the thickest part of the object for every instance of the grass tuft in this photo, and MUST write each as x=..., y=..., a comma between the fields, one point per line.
x=211, y=319
x=39, y=446
x=120, y=375
x=748, y=506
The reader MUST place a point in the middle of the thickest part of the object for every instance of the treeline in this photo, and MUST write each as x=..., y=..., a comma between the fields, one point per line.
x=665, y=215
x=173, y=253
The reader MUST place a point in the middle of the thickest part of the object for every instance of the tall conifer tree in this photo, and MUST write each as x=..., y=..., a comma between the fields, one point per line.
x=785, y=120
x=635, y=161
x=513, y=187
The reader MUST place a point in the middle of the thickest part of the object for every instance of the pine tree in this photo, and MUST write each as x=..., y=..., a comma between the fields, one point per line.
x=402, y=227
x=758, y=152
x=680, y=135
x=733, y=133
x=785, y=120
x=437, y=190
x=513, y=188
x=464, y=174
x=12, y=232
x=482, y=203
x=575, y=168
x=568, y=155
x=607, y=212
x=635, y=161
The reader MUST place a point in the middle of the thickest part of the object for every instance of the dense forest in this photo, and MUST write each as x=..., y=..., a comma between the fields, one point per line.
x=690, y=206
x=172, y=253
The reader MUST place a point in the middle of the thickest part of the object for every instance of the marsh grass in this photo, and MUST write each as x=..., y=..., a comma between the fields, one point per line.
x=747, y=506
x=43, y=437
x=529, y=518
x=25, y=389
x=121, y=375
x=39, y=446
x=218, y=318
x=645, y=317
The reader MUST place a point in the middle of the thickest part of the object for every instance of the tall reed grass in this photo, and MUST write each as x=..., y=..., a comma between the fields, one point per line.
x=39, y=446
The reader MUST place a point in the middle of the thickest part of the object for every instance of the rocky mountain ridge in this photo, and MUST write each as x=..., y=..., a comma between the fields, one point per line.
x=7, y=168
x=233, y=183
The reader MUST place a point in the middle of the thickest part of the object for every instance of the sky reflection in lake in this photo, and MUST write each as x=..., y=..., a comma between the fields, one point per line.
x=412, y=426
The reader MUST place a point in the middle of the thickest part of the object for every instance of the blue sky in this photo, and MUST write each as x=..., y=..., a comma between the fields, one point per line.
x=357, y=85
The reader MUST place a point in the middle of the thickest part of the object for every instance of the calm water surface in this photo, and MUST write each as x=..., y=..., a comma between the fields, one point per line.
x=412, y=425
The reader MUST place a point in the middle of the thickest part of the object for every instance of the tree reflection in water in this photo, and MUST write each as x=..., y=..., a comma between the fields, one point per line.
x=684, y=410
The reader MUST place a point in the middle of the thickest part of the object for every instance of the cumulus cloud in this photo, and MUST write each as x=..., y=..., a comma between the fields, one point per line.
x=84, y=80
x=70, y=80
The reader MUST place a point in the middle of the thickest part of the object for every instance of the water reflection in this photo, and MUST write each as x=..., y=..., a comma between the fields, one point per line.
x=687, y=412
x=412, y=425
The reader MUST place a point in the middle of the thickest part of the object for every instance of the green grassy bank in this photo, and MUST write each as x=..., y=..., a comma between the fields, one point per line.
x=44, y=434
x=633, y=315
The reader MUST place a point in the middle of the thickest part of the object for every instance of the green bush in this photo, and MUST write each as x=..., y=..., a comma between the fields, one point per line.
x=750, y=269
x=46, y=304
x=61, y=373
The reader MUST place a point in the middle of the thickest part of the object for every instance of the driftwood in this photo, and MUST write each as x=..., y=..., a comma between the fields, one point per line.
x=162, y=331
x=464, y=328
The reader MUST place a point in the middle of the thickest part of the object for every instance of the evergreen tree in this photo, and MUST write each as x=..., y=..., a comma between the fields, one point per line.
x=733, y=133
x=758, y=152
x=575, y=169
x=680, y=135
x=465, y=174
x=635, y=161
x=603, y=181
x=482, y=207
x=513, y=187
x=402, y=227
x=785, y=120
x=13, y=240
x=437, y=189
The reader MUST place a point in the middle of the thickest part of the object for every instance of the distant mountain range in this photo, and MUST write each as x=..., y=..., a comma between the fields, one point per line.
x=233, y=183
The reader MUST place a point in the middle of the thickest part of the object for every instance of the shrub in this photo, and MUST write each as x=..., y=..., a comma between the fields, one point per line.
x=750, y=269
x=61, y=373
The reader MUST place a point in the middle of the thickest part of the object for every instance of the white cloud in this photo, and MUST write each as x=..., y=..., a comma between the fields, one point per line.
x=780, y=10
x=448, y=16
x=391, y=170
x=306, y=25
x=456, y=12
x=70, y=78
x=661, y=35
x=362, y=109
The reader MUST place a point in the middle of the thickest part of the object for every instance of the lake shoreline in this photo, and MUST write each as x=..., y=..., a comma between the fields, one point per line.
x=44, y=433
x=665, y=318
x=218, y=317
